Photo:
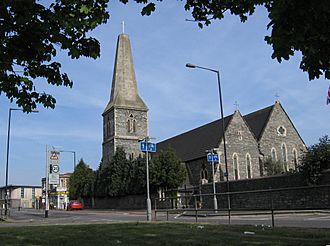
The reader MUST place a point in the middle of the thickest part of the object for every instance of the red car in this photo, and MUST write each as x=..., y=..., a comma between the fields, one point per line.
x=75, y=204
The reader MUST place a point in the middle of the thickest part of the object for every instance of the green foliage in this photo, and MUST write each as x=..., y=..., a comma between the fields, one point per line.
x=316, y=159
x=166, y=171
x=81, y=181
x=32, y=34
x=128, y=177
x=138, y=176
x=114, y=179
x=295, y=26
x=273, y=167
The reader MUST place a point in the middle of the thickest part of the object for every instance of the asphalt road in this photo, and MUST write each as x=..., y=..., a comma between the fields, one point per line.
x=32, y=217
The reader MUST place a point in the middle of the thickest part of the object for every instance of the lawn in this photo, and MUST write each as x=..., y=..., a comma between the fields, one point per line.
x=161, y=234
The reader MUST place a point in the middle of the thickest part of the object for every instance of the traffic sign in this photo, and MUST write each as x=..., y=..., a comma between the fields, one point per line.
x=150, y=148
x=55, y=168
x=212, y=157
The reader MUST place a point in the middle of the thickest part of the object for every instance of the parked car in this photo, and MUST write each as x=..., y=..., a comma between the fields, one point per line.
x=74, y=204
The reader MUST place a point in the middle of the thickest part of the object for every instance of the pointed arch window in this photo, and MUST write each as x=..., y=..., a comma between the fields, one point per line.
x=273, y=154
x=235, y=167
x=295, y=159
x=284, y=157
x=131, y=124
x=248, y=166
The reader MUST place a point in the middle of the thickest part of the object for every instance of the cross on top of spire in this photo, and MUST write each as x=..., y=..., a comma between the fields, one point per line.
x=123, y=26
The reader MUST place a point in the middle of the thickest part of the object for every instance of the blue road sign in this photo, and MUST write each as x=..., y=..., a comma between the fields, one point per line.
x=151, y=147
x=212, y=157
x=225, y=174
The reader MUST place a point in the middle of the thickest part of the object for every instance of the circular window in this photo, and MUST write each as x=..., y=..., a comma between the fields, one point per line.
x=281, y=131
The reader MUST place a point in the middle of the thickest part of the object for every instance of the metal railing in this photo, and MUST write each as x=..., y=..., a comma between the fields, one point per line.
x=272, y=201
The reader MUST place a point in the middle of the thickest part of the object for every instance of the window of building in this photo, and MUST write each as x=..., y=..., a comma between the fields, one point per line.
x=284, y=157
x=273, y=154
x=131, y=124
x=235, y=167
x=33, y=193
x=22, y=192
x=203, y=173
x=239, y=134
x=248, y=166
x=295, y=159
x=281, y=131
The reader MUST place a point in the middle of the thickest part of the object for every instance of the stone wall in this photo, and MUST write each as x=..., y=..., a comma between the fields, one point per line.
x=281, y=192
x=125, y=202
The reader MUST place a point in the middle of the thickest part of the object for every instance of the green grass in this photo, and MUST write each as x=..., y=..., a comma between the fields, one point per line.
x=160, y=234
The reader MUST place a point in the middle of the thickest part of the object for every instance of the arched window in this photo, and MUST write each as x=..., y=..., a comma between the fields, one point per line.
x=248, y=166
x=295, y=158
x=235, y=167
x=131, y=124
x=273, y=154
x=203, y=173
x=284, y=157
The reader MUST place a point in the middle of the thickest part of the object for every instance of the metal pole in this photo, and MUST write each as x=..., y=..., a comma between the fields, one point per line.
x=215, y=202
x=6, y=188
x=224, y=145
x=148, y=195
x=74, y=160
x=46, y=184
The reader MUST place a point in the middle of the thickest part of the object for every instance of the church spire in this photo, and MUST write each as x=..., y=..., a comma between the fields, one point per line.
x=124, y=92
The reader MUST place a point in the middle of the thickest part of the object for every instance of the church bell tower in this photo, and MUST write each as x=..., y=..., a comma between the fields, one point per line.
x=125, y=118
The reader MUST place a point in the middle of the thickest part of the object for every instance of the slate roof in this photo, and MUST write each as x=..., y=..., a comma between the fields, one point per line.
x=192, y=144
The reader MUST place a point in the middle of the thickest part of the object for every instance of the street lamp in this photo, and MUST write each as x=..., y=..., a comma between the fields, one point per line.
x=7, y=160
x=189, y=65
x=74, y=157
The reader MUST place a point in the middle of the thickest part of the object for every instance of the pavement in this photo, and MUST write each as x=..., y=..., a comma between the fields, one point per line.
x=33, y=217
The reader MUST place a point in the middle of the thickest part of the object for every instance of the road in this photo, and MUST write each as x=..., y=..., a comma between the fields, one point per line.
x=32, y=217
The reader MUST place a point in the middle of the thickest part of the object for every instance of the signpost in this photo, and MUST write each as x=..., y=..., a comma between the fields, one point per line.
x=213, y=157
x=52, y=173
x=146, y=146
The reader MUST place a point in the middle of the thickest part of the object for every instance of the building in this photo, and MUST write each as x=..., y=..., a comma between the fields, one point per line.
x=250, y=140
x=21, y=196
x=58, y=194
x=125, y=118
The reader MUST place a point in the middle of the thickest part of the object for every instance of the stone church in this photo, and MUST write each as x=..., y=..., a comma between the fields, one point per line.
x=250, y=139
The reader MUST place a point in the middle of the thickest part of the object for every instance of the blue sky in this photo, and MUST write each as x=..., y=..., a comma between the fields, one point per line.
x=179, y=99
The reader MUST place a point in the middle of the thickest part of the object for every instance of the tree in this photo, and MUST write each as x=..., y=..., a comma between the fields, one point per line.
x=273, y=167
x=295, y=26
x=32, y=34
x=137, y=182
x=81, y=182
x=166, y=171
x=315, y=160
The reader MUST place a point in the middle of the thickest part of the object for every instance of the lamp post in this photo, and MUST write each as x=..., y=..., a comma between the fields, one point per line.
x=189, y=65
x=74, y=157
x=7, y=158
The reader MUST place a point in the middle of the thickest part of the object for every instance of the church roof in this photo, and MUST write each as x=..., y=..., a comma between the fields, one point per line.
x=257, y=120
x=124, y=92
x=192, y=144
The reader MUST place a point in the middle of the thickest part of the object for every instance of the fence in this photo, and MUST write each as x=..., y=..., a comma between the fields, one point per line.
x=267, y=201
